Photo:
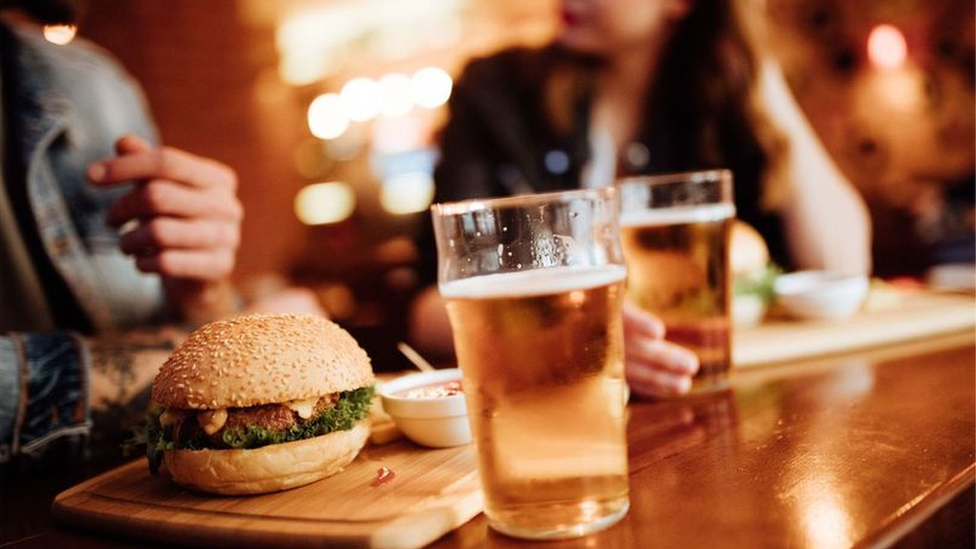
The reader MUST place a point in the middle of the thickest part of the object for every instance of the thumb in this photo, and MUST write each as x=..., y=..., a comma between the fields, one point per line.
x=131, y=143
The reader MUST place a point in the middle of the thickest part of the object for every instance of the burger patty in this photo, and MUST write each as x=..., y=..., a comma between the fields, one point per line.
x=187, y=431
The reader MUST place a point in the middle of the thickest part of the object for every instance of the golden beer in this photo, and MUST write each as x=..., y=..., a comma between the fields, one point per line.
x=542, y=356
x=678, y=269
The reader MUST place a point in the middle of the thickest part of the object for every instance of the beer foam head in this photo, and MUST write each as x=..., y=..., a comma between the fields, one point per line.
x=678, y=215
x=533, y=282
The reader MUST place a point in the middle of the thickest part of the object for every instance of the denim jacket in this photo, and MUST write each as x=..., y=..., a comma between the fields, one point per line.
x=75, y=102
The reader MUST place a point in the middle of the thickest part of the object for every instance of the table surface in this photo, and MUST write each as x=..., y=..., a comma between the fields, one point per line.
x=853, y=450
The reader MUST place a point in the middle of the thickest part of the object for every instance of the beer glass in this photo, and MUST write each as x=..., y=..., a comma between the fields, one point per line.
x=675, y=232
x=534, y=288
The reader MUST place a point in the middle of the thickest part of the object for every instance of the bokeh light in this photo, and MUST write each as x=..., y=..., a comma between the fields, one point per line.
x=60, y=34
x=887, y=48
x=326, y=117
x=361, y=99
x=407, y=193
x=323, y=203
x=303, y=39
x=299, y=70
x=395, y=91
x=431, y=87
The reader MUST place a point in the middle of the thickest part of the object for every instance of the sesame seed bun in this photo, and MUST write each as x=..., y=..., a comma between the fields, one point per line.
x=269, y=468
x=261, y=359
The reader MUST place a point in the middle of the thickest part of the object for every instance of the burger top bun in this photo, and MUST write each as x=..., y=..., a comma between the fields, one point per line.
x=261, y=359
x=748, y=252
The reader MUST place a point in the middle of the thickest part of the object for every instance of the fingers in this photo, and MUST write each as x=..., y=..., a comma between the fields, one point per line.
x=192, y=264
x=655, y=367
x=662, y=355
x=130, y=143
x=289, y=300
x=186, y=205
x=166, y=198
x=658, y=368
x=140, y=163
x=168, y=232
x=638, y=322
x=649, y=382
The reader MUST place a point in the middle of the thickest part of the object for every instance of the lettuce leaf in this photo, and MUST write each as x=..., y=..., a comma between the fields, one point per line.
x=149, y=434
x=351, y=407
x=759, y=283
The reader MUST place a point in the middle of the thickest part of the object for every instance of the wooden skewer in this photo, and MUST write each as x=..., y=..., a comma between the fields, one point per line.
x=415, y=357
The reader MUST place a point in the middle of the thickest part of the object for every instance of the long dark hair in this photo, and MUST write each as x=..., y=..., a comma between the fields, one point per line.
x=704, y=77
x=701, y=110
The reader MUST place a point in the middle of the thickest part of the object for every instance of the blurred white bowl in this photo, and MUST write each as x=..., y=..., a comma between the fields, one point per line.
x=820, y=294
x=437, y=422
x=747, y=310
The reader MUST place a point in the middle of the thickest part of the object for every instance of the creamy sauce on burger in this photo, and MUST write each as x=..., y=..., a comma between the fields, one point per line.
x=212, y=421
x=304, y=407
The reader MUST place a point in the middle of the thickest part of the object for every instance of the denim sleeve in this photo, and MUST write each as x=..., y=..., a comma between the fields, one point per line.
x=43, y=391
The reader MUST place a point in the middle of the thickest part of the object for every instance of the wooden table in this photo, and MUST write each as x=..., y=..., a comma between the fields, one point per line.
x=869, y=449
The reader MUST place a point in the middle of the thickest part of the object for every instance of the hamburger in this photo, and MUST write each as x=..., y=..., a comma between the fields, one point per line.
x=260, y=403
x=753, y=275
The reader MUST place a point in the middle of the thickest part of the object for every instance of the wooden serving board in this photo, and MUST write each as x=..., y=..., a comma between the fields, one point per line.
x=902, y=316
x=432, y=492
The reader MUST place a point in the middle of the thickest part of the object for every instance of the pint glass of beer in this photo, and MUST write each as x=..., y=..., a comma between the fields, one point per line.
x=675, y=232
x=534, y=287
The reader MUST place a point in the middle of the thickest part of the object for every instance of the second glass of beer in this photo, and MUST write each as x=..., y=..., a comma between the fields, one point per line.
x=675, y=232
x=534, y=288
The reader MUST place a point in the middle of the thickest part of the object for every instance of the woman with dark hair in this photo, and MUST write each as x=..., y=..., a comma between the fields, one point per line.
x=634, y=87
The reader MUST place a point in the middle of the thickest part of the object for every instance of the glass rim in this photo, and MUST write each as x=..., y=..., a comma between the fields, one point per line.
x=692, y=176
x=479, y=204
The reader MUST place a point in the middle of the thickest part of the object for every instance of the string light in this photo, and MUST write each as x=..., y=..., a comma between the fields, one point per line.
x=431, y=87
x=326, y=117
x=361, y=99
x=887, y=48
x=397, y=99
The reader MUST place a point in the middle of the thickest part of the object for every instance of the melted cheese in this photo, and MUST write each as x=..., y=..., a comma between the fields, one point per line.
x=212, y=420
x=303, y=407
x=167, y=418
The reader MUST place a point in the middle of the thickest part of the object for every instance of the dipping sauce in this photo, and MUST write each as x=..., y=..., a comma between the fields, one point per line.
x=434, y=390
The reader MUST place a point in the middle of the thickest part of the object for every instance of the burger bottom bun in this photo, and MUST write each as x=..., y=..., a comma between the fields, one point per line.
x=269, y=468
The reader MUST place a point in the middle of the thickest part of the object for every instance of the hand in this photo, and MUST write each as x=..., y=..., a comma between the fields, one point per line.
x=189, y=219
x=655, y=367
x=294, y=299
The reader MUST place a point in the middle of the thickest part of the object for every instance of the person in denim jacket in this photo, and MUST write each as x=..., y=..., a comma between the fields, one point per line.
x=109, y=240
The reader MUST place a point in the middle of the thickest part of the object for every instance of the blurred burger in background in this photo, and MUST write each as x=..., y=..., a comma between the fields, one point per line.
x=753, y=275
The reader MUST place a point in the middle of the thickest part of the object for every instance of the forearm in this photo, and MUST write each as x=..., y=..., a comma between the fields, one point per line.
x=123, y=365
x=826, y=221
x=827, y=225
x=57, y=385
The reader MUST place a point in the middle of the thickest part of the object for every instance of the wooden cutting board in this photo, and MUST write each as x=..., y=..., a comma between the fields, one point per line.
x=901, y=316
x=432, y=492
